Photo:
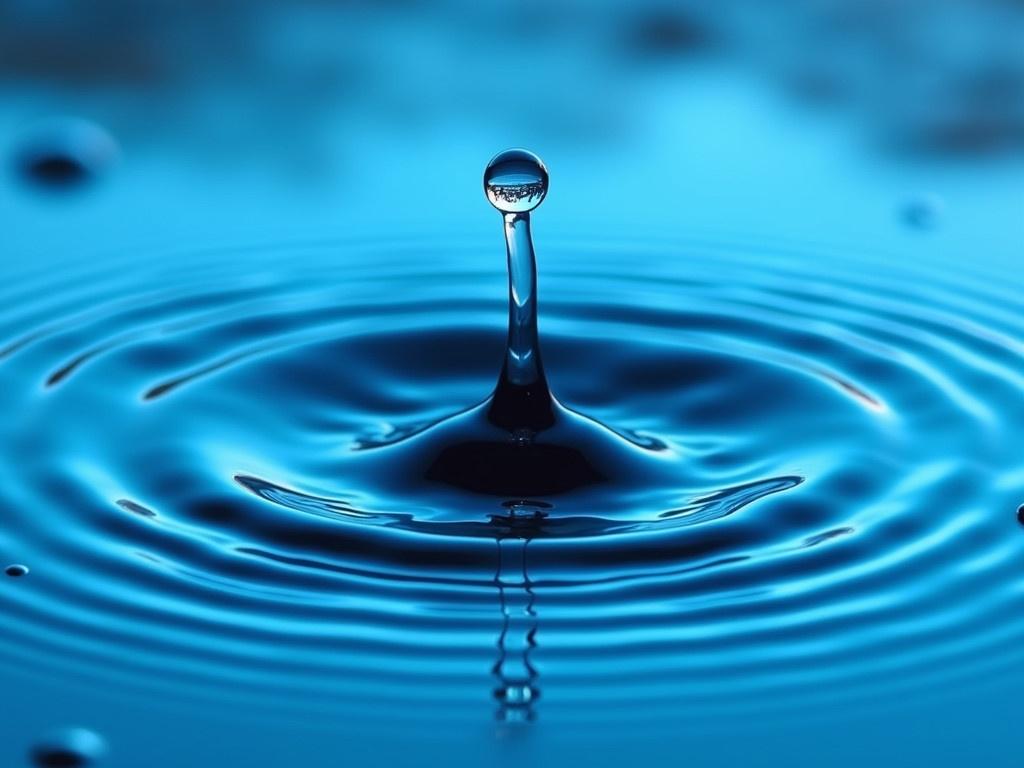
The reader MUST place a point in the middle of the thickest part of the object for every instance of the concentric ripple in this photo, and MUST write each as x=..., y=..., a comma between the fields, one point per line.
x=193, y=447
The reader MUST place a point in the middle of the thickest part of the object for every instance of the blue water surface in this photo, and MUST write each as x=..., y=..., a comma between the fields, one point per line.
x=207, y=333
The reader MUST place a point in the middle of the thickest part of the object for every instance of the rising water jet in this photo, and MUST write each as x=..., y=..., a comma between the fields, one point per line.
x=458, y=475
x=521, y=442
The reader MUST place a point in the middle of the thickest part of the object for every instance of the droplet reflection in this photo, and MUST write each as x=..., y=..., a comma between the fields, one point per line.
x=515, y=181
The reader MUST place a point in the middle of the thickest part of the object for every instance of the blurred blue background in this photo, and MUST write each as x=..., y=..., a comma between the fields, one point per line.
x=236, y=122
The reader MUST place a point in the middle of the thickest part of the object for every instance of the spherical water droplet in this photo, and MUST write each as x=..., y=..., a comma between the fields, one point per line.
x=922, y=212
x=1020, y=514
x=65, y=153
x=16, y=570
x=515, y=181
x=69, y=748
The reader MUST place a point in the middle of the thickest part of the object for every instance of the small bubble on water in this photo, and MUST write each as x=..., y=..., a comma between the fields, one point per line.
x=65, y=153
x=515, y=181
x=922, y=212
x=16, y=570
x=69, y=748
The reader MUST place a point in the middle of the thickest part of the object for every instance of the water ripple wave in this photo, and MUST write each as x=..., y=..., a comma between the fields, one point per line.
x=189, y=443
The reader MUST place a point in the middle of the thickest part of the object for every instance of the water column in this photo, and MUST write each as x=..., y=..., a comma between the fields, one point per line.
x=516, y=182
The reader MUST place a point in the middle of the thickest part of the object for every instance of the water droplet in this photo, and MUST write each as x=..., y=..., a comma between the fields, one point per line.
x=1020, y=514
x=69, y=748
x=65, y=153
x=922, y=212
x=515, y=181
x=16, y=570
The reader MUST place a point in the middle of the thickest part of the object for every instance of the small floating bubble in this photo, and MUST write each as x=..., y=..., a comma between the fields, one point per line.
x=515, y=181
x=69, y=748
x=16, y=570
x=65, y=153
x=922, y=212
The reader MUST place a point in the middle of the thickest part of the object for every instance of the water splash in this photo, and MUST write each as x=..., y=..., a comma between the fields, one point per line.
x=516, y=182
x=520, y=442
